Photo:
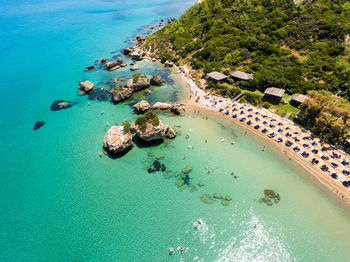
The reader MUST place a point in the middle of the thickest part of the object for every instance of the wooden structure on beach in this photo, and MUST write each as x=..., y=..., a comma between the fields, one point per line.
x=239, y=75
x=273, y=95
x=298, y=99
x=216, y=77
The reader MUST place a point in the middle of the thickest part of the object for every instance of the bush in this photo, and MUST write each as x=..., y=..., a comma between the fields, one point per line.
x=252, y=98
x=126, y=126
x=148, y=118
x=266, y=105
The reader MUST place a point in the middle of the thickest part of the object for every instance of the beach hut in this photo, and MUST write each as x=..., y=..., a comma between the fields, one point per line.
x=216, y=77
x=273, y=95
x=239, y=75
x=297, y=99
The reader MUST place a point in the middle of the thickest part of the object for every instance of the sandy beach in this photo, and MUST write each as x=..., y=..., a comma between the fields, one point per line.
x=294, y=142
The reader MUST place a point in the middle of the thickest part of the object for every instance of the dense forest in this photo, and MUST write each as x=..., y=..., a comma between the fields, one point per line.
x=298, y=47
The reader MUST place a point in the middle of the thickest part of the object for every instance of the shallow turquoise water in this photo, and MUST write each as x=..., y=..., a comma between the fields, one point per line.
x=61, y=202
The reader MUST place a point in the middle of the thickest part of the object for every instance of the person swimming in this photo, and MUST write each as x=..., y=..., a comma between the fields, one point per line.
x=180, y=248
x=196, y=226
x=171, y=251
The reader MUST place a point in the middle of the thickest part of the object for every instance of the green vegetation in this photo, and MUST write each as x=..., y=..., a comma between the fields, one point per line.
x=137, y=76
x=126, y=126
x=295, y=47
x=148, y=118
x=327, y=115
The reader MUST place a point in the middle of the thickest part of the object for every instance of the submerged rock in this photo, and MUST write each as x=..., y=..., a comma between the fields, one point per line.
x=217, y=195
x=60, y=104
x=156, y=80
x=180, y=182
x=156, y=166
x=207, y=199
x=228, y=198
x=86, y=86
x=186, y=170
x=200, y=184
x=224, y=202
x=116, y=140
x=100, y=94
x=142, y=106
x=38, y=124
x=270, y=197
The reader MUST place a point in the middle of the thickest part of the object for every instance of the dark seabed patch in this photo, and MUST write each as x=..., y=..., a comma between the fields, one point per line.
x=38, y=124
x=100, y=94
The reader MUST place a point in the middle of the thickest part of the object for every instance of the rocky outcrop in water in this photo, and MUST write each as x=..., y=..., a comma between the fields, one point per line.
x=156, y=80
x=137, y=54
x=38, y=124
x=128, y=50
x=178, y=109
x=134, y=68
x=138, y=82
x=122, y=94
x=142, y=107
x=89, y=68
x=86, y=86
x=161, y=106
x=60, y=104
x=154, y=133
x=111, y=66
x=116, y=140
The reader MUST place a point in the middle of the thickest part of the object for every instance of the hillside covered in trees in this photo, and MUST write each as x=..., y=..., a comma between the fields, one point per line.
x=298, y=47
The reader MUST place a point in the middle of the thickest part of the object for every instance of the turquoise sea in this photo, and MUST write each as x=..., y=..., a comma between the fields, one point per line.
x=59, y=201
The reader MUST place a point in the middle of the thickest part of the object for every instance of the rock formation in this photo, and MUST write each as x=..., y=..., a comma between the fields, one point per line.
x=60, y=104
x=161, y=106
x=154, y=133
x=156, y=80
x=111, y=66
x=138, y=82
x=86, y=86
x=134, y=68
x=89, y=68
x=116, y=140
x=122, y=94
x=142, y=106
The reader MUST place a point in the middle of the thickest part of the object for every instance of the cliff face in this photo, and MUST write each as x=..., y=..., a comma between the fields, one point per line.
x=295, y=46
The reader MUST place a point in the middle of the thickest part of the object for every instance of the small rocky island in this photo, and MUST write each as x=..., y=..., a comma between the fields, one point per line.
x=147, y=128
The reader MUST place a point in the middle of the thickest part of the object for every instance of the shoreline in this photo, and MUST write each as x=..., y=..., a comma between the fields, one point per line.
x=333, y=186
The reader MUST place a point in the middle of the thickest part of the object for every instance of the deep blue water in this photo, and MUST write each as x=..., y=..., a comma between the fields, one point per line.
x=60, y=201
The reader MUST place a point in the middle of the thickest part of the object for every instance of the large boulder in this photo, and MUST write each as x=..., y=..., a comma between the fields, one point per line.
x=177, y=109
x=142, y=106
x=86, y=86
x=137, y=54
x=161, y=106
x=116, y=140
x=168, y=64
x=122, y=94
x=154, y=133
x=156, y=80
x=138, y=82
x=134, y=68
x=111, y=66
x=128, y=50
